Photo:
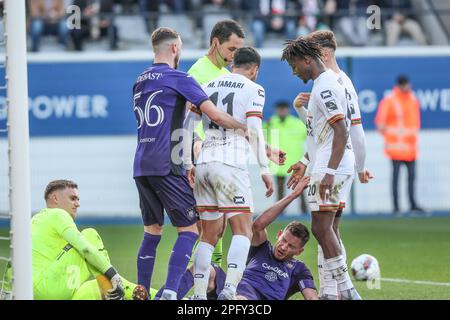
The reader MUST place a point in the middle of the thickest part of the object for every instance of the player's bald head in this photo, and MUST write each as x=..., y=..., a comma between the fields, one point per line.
x=161, y=37
x=324, y=38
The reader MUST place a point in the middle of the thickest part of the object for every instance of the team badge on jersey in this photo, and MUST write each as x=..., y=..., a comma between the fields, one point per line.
x=331, y=105
x=289, y=264
x=271, y=276
x=192, y=212
x=239, y=200
x=326, y=94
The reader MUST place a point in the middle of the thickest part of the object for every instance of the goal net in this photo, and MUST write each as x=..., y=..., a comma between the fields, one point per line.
x=15, y=209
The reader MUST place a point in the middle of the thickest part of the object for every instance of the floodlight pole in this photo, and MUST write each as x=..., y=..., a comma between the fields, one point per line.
x=19, y=158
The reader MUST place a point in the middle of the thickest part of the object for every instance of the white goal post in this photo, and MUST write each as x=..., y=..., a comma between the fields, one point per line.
x=18, y=139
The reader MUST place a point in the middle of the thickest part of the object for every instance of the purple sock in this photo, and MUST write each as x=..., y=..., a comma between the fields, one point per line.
x=179, y=259
x=186, y=283
x=146, y=259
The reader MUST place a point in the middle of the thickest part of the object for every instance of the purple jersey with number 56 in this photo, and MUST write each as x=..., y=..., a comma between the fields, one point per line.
x=159, y=98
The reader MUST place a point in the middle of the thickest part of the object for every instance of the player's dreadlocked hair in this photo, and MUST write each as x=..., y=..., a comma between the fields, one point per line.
x=300, y=48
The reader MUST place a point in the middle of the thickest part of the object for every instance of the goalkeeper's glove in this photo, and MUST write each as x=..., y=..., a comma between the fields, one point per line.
x=117, y=291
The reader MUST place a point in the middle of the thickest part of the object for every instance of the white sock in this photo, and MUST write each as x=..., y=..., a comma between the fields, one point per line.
x=328, y=285
x=236, y=259
x=171, y=294
x=338, y=269
x=202, y=261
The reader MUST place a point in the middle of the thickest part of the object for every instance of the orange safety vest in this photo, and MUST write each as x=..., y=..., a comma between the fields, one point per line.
x=398, y=118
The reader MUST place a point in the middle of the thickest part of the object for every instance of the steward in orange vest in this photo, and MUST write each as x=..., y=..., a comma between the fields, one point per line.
x=398, y=120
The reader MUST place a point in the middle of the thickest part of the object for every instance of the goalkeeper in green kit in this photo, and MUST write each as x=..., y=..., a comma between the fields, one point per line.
x=64, y=259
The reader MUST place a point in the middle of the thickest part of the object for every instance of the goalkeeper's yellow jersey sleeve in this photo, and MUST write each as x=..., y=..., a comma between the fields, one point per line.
x=204, y=71
x=51, y=230
x=86, y=249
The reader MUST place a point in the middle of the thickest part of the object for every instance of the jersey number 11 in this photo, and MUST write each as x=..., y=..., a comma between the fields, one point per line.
x=227, y=101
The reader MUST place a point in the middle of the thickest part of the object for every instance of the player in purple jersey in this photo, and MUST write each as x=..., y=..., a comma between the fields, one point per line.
x=160, y=95
x=272, y=272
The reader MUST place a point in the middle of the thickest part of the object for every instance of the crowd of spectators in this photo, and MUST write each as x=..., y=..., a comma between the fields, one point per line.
x=263, y=19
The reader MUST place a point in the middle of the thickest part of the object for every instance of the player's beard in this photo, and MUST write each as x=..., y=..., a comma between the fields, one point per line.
x=254, y=76
x=304, y=79
x=176, y=61
x=301, y=78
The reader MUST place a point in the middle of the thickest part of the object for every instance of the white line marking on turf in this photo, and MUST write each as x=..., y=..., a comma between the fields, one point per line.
x=429, y=283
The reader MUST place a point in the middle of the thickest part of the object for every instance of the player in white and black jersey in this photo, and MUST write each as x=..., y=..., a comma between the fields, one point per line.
x=329, y=151
x=327, y=42
x=222, y=182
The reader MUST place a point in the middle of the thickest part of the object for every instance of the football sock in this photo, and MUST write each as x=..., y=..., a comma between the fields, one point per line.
x=179, y=259
x=168, y=294
x=103, y=283
x=338, y=269
x=217, y=254
x=236, y=259
x=202, y=262
x=146, y=259
x=89, y=290
x=186, y=283
x=328, y=286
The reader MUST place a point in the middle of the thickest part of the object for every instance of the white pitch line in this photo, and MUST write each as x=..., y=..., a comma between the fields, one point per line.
x=429, y=283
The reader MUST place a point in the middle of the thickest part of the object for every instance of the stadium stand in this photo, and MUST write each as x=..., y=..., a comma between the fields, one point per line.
x=195, y=19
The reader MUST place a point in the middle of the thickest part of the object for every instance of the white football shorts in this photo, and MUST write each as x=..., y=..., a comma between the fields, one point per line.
x=222, y=189
x=338, y=196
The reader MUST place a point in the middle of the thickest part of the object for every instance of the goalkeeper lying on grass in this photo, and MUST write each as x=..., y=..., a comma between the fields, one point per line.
x=65, y=258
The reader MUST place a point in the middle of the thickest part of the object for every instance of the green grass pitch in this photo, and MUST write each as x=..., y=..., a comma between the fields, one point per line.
x=413, y=249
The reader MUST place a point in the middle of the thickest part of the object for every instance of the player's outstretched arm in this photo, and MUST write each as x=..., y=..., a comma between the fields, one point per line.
x=189, y=125
x=359, y=145
x=337, y=152
x=310, y=294
x=258, y=145
x=269, y=215
x=220, y=117
x=299, y=104
x=359, y=149
x=76, y=239
x=275, y=155
x=297, y=171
